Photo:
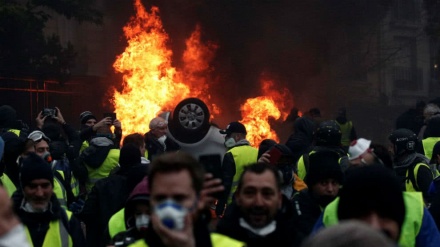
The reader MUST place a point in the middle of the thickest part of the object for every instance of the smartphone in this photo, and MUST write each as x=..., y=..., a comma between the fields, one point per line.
x=213, y=164
x=275, y=155
x=112, y=115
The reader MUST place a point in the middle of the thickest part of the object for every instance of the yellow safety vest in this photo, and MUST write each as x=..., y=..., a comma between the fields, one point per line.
x=243, y=156
x=346, y=131
x=84, y=145
x=217, y=240
x=60, y=191
x=428, y=145
x=116, y=224
x=8, y=184
x=56, y=235
x=411, y=225
x=409, y=186
x=110, y=162
x=15, y=131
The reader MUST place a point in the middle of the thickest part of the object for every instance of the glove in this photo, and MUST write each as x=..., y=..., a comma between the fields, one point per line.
x=77, y=206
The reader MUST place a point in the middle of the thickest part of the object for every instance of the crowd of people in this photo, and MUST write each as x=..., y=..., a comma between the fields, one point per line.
x=98, y=186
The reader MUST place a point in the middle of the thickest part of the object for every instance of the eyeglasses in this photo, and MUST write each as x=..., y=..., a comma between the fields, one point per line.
x=37, y=136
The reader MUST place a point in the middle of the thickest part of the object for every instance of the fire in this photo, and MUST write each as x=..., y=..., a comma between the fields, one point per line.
x=196, y=69
x=256, y=112
x=150, y=83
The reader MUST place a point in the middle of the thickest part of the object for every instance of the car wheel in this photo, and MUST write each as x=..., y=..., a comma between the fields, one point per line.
x=190, y=120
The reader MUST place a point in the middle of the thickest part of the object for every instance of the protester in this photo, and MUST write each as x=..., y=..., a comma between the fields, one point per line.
x=5, y=181
x=135, y=219
x=239, y=154
x=411, y=167
x=327, y=137
x=89, y=127
x=347, y=128
x=109, y=194
x=46, y=222
x=12, y=232
x=156, y=140
x=261, y=215
x=350, y=233
x=373, y=194
x=175, y=182
x=301, y=140
x=282, y=160
x=323, y=181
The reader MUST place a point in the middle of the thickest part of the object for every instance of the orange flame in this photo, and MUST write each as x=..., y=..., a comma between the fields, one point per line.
x=256, y=112
x=151, y=83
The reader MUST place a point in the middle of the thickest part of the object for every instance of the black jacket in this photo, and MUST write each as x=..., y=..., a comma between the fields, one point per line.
x=38, y=223
x=284, y=235
x=154, y=147
x=302, y=138
x=107, y=197
x=306, y=213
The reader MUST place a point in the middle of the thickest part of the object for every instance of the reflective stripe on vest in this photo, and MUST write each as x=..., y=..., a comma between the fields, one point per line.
x=411, y=224
x=8, y=184
x=116, y=224
x=60, y=191
x=217, y=240
x=110, y=162
x=346, y=131
x=243, y=156
x=56, y=235
x=428, y=145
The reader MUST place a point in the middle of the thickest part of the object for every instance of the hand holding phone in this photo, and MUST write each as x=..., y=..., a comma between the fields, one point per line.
x=275, y=155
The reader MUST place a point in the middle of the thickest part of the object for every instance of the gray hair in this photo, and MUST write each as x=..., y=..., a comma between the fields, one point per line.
x=157, y=122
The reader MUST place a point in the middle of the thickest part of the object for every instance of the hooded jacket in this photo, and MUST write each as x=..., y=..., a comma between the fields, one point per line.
x=302, y=138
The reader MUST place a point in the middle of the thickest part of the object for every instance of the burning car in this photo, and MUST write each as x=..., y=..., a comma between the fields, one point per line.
x=189, y=125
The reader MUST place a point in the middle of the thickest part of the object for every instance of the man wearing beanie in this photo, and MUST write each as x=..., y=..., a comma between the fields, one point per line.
x=37, y=207
x=109, y=194
x=90, y=126
x=373, y=194
x=323, y=180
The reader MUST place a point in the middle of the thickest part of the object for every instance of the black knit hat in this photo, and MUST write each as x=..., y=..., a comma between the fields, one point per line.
x=130, y=155
x=86, y=116
x=34, y=167
x=8, y=116
x=368, y=189
x=323, y=165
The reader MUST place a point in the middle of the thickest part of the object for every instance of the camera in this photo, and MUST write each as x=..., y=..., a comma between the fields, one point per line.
x=50, y=112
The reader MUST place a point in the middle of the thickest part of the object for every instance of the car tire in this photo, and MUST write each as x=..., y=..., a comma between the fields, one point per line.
x=190, y=121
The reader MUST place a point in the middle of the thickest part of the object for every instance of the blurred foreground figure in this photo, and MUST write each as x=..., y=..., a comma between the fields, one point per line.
x=12, y=232
x=373, y=195
x=176, y=182
x=349, y=233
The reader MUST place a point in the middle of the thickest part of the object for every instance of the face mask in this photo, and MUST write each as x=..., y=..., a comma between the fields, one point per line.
x=142, y=222
x=162, y=139
x=230, y=142
x=171, y=214
x=15, y=237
